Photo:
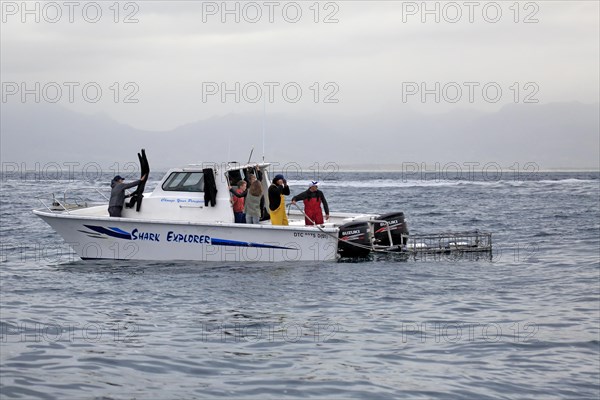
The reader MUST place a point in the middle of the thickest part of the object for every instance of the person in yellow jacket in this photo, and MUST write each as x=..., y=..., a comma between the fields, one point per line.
x=277, y=191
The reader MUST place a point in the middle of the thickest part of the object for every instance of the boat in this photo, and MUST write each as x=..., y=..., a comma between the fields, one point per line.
x=188, y=216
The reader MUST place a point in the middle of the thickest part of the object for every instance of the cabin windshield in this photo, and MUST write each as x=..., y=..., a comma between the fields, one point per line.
x=184, y=182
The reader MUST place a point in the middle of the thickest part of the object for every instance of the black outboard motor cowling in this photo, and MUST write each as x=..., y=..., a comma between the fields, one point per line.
x=398, y=229
x=357, y=233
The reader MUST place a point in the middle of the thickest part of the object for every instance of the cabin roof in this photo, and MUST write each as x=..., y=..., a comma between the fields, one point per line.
x=230, y=166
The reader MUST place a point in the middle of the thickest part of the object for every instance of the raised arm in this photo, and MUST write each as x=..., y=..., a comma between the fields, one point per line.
x=131, y=184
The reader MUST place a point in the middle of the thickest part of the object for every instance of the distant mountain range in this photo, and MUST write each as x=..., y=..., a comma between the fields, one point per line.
x=557, y=135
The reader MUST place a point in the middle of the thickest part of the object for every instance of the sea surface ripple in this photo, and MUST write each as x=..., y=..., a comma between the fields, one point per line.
x=523, y=323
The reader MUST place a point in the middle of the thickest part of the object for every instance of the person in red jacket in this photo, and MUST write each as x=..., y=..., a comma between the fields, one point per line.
x=313, y=198
x=238, y=198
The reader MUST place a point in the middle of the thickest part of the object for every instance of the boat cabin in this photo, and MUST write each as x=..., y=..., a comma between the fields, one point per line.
x=198, y=193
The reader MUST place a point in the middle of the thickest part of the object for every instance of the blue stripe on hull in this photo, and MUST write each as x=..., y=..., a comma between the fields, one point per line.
x=224, y=242
x=121, y=234
x=117, y=233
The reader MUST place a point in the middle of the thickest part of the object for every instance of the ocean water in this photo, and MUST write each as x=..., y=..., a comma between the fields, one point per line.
x=523, y=323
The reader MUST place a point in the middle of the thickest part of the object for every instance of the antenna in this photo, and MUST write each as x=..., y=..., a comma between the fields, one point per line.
x=264, y=117
x=250, y=158
x=229, y=147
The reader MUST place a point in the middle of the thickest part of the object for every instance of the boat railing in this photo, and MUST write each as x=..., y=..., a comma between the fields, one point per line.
x=70, y=200
x=388, y=230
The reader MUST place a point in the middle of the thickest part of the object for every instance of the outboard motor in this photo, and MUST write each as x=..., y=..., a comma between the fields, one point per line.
x=398, y=229
x=354, y=233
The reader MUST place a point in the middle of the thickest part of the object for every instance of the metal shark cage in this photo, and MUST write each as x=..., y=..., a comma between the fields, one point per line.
x=471, y=244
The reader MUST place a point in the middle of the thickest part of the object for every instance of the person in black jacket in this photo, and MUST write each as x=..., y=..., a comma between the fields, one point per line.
x=277, y=191
x=313, y=199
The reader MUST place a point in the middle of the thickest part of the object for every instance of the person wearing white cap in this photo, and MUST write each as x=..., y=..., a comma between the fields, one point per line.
x=313, y=198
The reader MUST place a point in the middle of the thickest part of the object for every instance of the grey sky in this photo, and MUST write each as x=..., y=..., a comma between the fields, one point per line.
x=368, y=57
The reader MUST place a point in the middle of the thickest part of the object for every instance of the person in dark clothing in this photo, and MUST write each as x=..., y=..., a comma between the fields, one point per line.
x=277, y=191
x=117, y=194
x=313, y=198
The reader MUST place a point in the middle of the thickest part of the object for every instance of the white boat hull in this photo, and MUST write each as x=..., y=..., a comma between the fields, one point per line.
x=102, y=237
